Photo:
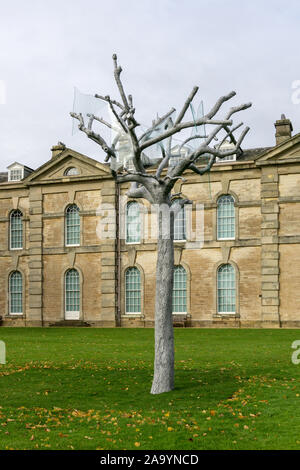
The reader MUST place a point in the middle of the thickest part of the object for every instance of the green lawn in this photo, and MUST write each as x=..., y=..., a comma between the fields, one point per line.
x=89, y=389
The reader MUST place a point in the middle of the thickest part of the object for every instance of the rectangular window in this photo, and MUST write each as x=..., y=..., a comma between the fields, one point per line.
x=226, y=218
x=15, y=294
x=179, y=290
x=16, y=230
x=72, y=291
x=133, y=290
x=133, y=223
x=16, y=175
x=179, y=225
x=226, y=289
x=72, y=225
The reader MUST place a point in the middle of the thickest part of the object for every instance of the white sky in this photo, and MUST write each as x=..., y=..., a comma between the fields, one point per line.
x=165, y=47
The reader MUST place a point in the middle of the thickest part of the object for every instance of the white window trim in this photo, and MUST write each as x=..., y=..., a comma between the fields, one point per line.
x=66, y=228
x=227, y=313
x=138, y=314
x=140, y=221
x=229, y=238
x=10, y=235
x=217, y=225
x=13, y=169
x=9, y=300
x=73, y=312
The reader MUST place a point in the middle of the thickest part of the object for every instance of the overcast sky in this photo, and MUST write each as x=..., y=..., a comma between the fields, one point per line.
x=165, y=48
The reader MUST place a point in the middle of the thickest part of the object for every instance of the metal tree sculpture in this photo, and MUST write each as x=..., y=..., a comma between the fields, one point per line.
x=156, y=187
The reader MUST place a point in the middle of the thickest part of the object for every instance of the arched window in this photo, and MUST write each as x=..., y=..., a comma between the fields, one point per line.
x=133, y=223
x=72, y=225
x=179, y=290
x=71, y=171
x=72, y=295
x=226, y=287
x=133, y=290
x=15, y=293
x=179, y=225
x=16, y=230
x=226, y=217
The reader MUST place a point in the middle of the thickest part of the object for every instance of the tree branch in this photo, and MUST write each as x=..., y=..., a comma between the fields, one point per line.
x=186, y=105
x=157, y=123
x=217, y=154
x=180, y=127
x=117, y=73
x=92, y=135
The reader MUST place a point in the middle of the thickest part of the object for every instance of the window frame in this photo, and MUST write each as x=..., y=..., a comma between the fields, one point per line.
x=185, y=290
x=131, y=203
x=66, y=172
x=234, y=271
x=11, y=215
x=131, y=268
x=10, y=313
x=184, y=218
x=65, y=293
x=234, y=217
x=66, y=225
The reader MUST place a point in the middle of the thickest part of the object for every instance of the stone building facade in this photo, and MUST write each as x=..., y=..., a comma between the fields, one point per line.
x=57, y=268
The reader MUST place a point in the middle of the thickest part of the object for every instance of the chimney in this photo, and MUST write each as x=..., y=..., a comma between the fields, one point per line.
x=283, y=129
x=57, y=149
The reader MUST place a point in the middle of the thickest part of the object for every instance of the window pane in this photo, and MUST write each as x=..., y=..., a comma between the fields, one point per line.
x=71, y=171
x=226, y=289
x=16, y=230
x=16, y=175
x=15, y=292
x=226, y=217
x=133, y=290
x=179, y=225
x=179, y=290
x=72, y=225
x=133, y=223
x=72, y=291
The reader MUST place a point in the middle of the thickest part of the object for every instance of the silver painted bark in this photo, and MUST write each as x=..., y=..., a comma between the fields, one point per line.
x=156, y=187
x=163, y=379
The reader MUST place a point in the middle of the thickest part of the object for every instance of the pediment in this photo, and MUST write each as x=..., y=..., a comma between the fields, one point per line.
x=288, y=151
x=55, y=169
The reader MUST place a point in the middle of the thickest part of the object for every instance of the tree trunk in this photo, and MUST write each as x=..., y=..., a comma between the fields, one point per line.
x=163, y=380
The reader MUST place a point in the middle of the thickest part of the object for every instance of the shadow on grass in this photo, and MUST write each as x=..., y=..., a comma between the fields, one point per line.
x=124, y=389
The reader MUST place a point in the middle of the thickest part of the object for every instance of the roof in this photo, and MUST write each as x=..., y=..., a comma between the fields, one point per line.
x=21, y=164
x=253, y=154
x=3, y=177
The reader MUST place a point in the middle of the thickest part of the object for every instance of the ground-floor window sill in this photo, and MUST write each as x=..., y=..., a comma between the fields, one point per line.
x=133, y=315
x=226, y=315
x=14, y=316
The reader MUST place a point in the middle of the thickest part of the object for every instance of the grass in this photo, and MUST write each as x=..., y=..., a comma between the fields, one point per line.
x=89, y=389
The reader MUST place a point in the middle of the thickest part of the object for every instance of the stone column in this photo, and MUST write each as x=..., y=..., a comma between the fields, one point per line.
x=35, y=314
x=269, y=248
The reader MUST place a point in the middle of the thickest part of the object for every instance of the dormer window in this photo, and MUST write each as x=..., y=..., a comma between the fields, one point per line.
x=224, y=148
x=17, y=171
x=71, y=171
x=178, y=154
x=16, y=174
